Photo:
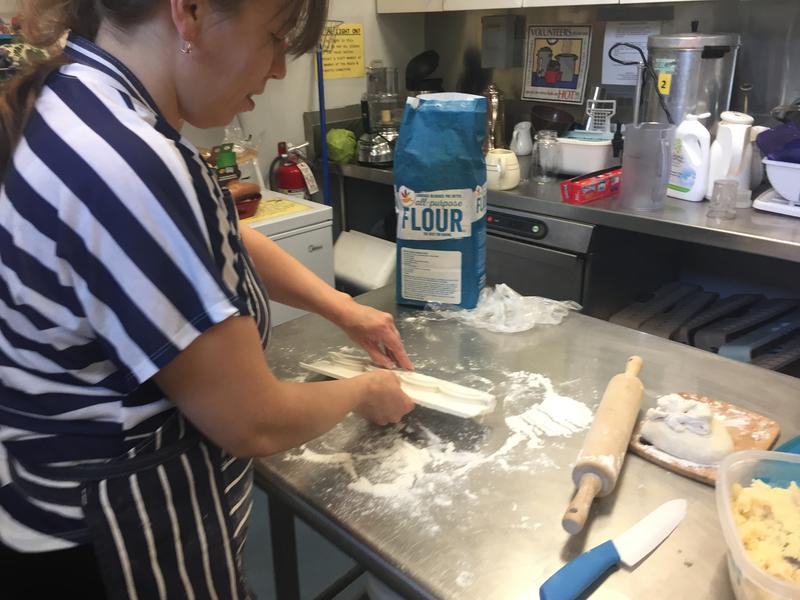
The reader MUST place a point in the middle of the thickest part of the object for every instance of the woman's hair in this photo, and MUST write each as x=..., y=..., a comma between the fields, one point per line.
x=46, y=21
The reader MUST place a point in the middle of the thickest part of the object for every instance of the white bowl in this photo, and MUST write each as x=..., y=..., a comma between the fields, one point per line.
x=578, y=157
x=785, y=178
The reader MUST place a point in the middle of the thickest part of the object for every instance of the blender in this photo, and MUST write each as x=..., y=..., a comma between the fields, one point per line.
x=381, y=112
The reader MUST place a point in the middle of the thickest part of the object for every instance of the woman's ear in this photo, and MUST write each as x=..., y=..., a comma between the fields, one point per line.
x=188, y=16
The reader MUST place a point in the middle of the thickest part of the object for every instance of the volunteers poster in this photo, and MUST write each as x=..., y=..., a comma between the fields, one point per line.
x=556, y=63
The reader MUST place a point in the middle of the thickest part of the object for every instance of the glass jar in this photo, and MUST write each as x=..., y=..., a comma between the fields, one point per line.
x=546, y=155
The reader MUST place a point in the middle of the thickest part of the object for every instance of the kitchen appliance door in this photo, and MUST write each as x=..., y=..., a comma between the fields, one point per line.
x=312, y=246
x=534, y=270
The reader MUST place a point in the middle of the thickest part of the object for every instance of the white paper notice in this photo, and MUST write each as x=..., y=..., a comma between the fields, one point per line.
x=635, y=33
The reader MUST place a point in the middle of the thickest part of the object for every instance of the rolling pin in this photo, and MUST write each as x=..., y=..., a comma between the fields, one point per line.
x=600, y=460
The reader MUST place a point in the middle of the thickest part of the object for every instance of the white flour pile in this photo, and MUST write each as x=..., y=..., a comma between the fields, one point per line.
x=554, y=416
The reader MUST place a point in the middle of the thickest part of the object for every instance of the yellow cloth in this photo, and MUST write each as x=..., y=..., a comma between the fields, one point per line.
x=276, y=207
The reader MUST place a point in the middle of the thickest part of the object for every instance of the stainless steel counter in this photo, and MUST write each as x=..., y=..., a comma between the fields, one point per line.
x=752, y=231
x=482, y=518
x=368, y=173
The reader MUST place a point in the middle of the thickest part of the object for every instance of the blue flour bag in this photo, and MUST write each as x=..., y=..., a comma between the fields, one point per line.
x=440, y=198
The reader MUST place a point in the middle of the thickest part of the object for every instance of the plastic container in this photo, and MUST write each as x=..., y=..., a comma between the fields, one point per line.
x=579, y=157
x=749, y=582
x=691, y=150
x=785, y=178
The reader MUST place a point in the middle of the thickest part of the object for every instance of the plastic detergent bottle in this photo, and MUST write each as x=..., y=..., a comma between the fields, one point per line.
x=691, y=150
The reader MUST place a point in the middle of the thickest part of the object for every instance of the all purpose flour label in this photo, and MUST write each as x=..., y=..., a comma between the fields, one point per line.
x=431, y=271
x=440, y=198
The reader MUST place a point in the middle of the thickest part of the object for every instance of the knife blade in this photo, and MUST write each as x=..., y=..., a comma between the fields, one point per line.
x=628, y=548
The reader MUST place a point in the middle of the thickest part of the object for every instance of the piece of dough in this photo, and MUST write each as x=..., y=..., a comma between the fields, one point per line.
x=701, y=449
x=768, y=521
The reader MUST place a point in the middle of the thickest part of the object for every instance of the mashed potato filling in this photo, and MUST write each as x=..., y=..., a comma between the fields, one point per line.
x=768, y=521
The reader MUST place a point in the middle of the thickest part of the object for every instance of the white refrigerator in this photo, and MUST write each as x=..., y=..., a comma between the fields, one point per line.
x=305, y=232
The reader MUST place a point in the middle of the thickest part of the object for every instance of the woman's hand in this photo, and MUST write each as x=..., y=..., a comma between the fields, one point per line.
x=374, y=331
x=384, y=401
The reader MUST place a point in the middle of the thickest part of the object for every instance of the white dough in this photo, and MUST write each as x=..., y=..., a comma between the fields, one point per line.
x=686, y=429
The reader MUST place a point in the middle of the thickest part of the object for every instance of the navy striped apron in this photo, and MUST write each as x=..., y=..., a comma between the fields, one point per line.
x=159, y=520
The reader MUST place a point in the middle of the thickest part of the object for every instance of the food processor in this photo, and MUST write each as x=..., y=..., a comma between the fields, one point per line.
x=381, y=113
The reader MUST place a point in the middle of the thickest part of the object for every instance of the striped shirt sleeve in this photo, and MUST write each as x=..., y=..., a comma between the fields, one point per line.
x=144, y=247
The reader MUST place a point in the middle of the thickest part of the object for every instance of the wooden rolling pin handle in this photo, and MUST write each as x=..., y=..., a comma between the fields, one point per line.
x=633, y=366
x=578, y=510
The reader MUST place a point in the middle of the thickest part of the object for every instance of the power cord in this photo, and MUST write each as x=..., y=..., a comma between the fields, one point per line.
x=648, y=71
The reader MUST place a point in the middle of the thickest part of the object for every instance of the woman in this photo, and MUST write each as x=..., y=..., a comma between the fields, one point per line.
x=132, y=317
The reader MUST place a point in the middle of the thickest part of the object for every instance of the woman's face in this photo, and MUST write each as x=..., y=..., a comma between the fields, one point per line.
x=232, y=58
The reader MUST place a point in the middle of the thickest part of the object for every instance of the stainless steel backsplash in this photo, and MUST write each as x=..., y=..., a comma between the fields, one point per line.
x=769, y=58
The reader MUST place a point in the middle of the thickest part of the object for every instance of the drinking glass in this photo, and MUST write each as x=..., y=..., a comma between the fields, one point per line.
x=723, y=199
x=546, y=155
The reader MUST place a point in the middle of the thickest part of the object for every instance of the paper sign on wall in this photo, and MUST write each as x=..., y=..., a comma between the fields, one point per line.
x=635, y=33
x=343, y=56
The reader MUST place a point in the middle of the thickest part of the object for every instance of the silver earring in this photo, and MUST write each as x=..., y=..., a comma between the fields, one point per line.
x=186, y=47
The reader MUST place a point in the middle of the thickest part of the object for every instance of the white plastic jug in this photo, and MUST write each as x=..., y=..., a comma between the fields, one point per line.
x=731, y=152
x=521, y=140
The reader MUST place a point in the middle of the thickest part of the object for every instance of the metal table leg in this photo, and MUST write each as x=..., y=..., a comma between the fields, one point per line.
x=284, y=550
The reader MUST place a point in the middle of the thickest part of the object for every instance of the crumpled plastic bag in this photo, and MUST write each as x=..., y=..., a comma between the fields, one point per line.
x=502, y=310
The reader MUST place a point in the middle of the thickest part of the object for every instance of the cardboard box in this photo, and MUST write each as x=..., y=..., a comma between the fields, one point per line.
x=591, y=187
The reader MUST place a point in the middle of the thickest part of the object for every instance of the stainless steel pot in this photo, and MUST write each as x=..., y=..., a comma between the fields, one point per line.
x=377, y=149
x=695, y=75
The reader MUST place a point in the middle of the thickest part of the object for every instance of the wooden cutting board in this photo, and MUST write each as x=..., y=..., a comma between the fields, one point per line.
x=749, y=431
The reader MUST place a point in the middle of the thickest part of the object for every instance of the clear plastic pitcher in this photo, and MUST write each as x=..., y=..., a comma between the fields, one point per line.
x=646, y=163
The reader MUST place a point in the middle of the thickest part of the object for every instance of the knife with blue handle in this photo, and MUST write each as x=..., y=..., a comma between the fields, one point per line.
x=629, y=548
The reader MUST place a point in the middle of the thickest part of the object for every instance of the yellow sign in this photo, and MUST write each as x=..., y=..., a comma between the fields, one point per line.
x=664, y=83
x=276, y=207
x=344, y=55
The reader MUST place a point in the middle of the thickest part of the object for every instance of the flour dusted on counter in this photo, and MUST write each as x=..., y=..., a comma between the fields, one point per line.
x=343, y=460
x=554, y=416
x=401, y=471
x=440, y=193
x=402, y=464
x=400, y=467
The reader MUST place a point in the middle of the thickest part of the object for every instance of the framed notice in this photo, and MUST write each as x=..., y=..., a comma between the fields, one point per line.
x=556, y=63
x=343, y=56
